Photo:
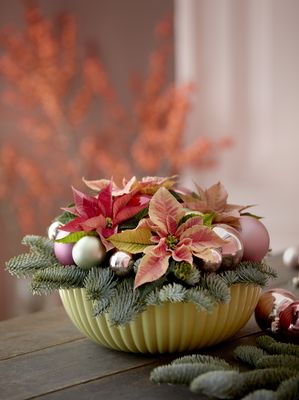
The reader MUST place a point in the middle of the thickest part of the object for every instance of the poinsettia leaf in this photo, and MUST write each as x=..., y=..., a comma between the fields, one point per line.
x=105, y=200
x=150, y=184
x=73, y=237
x=163, y=204
x=133, y=222
x=74, y=225
x=85, y=205
x=182, y=253
x=216, y=197
x=133, y=241
x=151, y=268
x=248, y=214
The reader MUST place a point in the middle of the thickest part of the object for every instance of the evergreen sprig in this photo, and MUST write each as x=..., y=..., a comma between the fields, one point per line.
x=249, y=354
x=57, y=277
x=232, y=384
x=25, y=265
x=216, y=287
x=201, y=359
x=126, y=303
x=201, y=298
x=273, y=347
x=100, y=285
x=39, y=245
x=182, y=373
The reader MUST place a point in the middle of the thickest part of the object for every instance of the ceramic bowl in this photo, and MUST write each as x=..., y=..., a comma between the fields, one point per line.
x=167, y=328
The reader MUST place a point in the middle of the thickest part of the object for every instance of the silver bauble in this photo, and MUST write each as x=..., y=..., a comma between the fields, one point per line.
x=88, y=252
x=232, y=251
x=290, y=257
x=121, y=263
x=213, y=262
x=53, y=229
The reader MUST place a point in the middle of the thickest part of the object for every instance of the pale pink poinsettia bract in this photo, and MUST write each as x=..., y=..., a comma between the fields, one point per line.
x=181, y=241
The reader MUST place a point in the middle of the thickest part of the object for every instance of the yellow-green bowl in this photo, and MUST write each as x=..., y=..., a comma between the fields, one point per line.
x=167, y=328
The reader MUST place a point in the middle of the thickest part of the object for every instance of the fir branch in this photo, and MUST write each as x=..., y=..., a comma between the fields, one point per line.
x=229, y=277
x=100, y=306
x=125, y=304
x=232, y=384
x=248, y=273
x=182, y=373
x=289, y=389
x=217, y=288
x=100, y=285
x=219, y=384
x=54, y=278
x=193, y=277
x=249, y=354
x=262, y=394
x=278, y=360
x=201, y=298
x=39, y=245
x=100, y=282
x=152, y=298
x=265, y=268
x=173, y=292
x=25, y=265
x=201, y=359
x=271, y=346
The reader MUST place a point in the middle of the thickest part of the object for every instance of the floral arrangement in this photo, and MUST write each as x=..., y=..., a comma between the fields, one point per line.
x=147, y=242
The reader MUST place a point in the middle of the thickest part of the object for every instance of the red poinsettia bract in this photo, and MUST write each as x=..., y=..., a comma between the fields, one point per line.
x=104, y=213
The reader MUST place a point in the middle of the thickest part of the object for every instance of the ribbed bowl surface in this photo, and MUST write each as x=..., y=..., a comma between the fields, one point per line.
x=171, y=327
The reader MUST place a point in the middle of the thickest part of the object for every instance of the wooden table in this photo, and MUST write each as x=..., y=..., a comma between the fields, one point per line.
x=43, y=356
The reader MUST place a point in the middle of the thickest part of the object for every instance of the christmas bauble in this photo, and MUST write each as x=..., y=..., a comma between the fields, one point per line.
x=213, y=261
x=255, y=239
x=270, y=304
x=290, y=257
x=232, y=250
x=63, y=251
x=88, y=252
x=53, y=229
x=289, y=321
x=121, y=263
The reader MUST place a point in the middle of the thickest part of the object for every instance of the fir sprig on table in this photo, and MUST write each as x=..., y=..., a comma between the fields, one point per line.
x=274, y=377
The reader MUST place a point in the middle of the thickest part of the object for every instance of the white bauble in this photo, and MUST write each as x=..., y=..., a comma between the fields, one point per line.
x=53, y=229
x=290, y=257
x=88, y=252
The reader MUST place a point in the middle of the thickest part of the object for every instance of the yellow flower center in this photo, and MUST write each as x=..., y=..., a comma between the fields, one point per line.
x=171, y=241
x=109, y=223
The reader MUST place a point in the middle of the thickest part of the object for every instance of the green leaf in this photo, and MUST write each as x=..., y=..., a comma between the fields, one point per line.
x=208, y=219
x=132, y=241
x=73, y=237
x=133, y=222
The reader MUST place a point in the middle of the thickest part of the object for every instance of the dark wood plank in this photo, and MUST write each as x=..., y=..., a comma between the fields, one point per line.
x=36, y=331
x=135, y=384
x=61, y=366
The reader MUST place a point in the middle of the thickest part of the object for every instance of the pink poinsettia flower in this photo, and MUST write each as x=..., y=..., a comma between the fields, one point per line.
x=214, y=201
x=103, y=213
x=181, y=241
x=147, y=185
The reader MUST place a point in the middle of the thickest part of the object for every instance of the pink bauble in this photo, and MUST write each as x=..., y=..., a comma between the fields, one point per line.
x=63, y=251
x=289, y=321
x=255, y=239
x=270, y=304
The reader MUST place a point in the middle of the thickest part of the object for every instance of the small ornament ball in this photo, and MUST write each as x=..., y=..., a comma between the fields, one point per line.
x=289, y=321
x=255, y=238
x=290, y=257
x=53, y=229
x=63, y=251
x=88, y=252
x=232, y=251
x=213, y=262
x=121, y=263
x=269, y=306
